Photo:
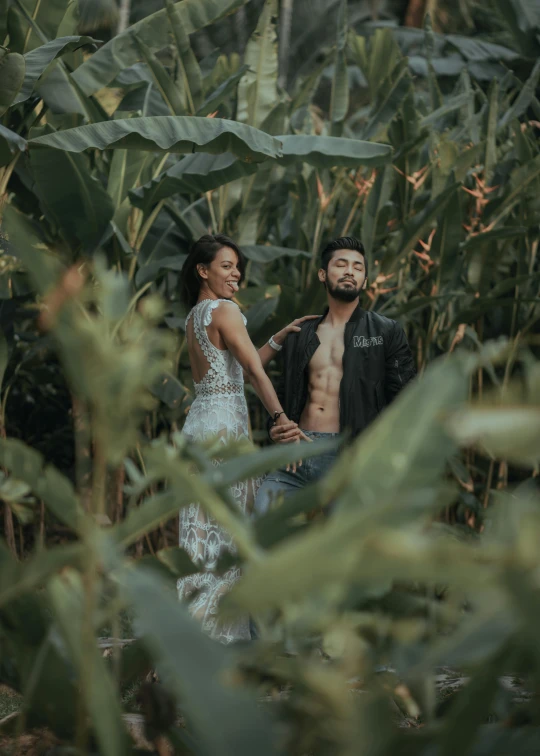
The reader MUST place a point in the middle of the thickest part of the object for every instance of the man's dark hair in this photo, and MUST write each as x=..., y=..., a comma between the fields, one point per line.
x=344, y=242
x=204, y=251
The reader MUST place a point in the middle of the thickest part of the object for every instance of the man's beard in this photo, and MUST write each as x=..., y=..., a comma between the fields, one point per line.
x=343, y=293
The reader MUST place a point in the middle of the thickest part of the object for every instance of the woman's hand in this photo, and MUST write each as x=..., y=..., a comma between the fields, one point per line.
x=294, y=326
x=288, y=432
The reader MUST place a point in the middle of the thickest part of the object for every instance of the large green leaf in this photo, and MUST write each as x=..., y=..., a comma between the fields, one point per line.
x=126, y=169
x=38, y=59
x=12, y=67
x=491, y=134
x=225, y=89
x=523, y=19
x=266, y=253
x=25, y=244
x=46, y=482
x=141, y=92
x=62, y=96
x=419, y=223
x=487, y=237
x=193, y=174
x=257, y=92
x=164, y=83
x=378, y=60
x=259, y=314
x=46, y=18
x=329, y=152
x=477, y=50
x=339, y=99
x=264, y=460
x=121, y=52
x=389, y=99
x=378, y=196
x=511, y=433
x=520, y=180
x=186, y=488
x=37, y=569
x=10, y=144
x=151, y=271
x=181, y=134
x=226, y=720
x=68, y=602
x=524, y=98
x=78, y=202
x=435, y=94
x=446, y=242
x=451, y=105
x=189, y=79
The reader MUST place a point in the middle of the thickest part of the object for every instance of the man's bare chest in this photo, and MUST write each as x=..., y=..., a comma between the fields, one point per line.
x=329, y=353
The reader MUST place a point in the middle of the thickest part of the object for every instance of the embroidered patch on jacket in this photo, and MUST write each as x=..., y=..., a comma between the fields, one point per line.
x=361, y=341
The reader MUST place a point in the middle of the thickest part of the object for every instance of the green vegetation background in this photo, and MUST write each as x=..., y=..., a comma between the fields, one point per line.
x=412, y=125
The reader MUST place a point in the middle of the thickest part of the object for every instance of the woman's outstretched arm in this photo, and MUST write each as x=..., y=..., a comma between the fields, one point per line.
x=230, y=324
x=267, y=353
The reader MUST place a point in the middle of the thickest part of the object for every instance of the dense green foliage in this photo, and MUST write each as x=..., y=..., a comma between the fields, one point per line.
x=114, y=158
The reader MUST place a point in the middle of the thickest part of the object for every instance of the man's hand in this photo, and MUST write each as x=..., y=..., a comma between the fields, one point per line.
x=288, y=433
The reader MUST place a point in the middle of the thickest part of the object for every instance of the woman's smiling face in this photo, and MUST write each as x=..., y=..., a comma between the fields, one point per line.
x=222, y=276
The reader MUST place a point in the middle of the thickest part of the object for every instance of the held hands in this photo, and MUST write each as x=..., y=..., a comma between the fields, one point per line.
x=288, y=432
x=294, y=326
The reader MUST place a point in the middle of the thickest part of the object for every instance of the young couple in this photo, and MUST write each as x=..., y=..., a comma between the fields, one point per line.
x=339, y=372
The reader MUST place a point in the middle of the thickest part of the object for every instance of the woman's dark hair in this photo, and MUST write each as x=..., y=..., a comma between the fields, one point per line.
x=203, y=252
x=344, y=242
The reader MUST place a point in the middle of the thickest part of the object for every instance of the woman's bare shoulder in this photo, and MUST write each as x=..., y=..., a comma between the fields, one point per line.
x=228, y=314
x=227, y=309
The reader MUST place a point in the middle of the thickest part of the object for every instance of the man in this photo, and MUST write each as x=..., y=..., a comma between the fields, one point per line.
x=339, y=371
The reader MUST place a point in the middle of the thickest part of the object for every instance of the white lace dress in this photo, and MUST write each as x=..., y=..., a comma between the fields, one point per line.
x=219, y=409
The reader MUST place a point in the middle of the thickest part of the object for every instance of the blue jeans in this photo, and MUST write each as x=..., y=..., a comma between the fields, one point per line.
x=284, y=483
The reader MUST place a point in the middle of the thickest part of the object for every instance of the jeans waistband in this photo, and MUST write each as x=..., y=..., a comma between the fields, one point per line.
x=318, y=434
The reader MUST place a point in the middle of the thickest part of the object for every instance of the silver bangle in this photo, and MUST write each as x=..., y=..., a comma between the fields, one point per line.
x=272, y=343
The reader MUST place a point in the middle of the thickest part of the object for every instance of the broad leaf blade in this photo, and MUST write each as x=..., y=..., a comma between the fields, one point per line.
x=164, y=83
x=38, y=59
x=328, y=152
x=257, y=89
x=266, y=253
x=339, y=98
x=76, y=200
x=181, y=134
x=195, y=174
x=10, y=144
x=194, y=667
x=12, y=68
x=190, y=78
x=67, y=599
x=121, y=52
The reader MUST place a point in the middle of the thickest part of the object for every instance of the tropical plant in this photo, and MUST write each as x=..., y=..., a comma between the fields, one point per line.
x=348, y=587
x=112, y=163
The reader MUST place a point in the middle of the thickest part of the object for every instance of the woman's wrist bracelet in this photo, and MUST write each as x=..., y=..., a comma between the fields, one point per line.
x=274, y=344
x=276, y=415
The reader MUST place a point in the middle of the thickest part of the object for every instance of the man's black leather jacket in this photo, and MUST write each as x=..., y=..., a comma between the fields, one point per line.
x=377, y=364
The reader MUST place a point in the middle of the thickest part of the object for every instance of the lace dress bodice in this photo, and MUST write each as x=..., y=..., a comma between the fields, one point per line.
x=224, y=376
x=218, y=410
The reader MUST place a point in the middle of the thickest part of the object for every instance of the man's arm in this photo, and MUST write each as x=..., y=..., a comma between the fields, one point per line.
x=399, y=363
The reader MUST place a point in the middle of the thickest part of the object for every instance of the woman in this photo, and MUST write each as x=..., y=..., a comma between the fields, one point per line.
x=220, y=353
